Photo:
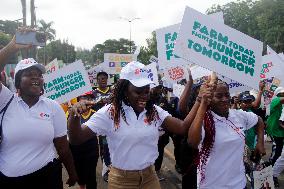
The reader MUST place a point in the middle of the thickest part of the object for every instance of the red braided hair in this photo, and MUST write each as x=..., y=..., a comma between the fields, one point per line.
x=207, y=144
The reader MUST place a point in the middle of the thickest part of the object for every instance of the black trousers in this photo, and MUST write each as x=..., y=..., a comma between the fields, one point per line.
x=162, y=143
x=279, y=146
x=189, y=179
x=48, y=177
x=85, y=157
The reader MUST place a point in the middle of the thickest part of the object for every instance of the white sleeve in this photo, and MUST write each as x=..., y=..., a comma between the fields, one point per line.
x=59, y=121
x=250, y=119
x=162, y=115
x=282, y=115
x=5, y=96
x=100, y=122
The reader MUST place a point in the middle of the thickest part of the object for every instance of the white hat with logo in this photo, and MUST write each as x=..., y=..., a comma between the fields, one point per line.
x=136, y=73
x=29, y=62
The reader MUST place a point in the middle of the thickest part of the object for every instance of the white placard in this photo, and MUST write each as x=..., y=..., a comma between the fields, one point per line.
x=178, y=89
x=115, y=62
x=263, y=178
x=175, y=74
x=234, y=86
x=199, y=72
x=52, y=66
x=166, y=38
x=92, y=73
x=67, y=83
x=220, y=48
x=272, y=66
x=153, y=59
x=281, y=55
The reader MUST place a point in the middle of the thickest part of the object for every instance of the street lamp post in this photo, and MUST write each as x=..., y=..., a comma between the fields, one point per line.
x=129, y=21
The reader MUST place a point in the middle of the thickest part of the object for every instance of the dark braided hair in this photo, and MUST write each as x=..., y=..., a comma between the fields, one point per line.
x=209, y=139
x=116, y=109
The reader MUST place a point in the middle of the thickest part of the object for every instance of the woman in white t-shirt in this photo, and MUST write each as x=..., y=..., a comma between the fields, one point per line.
x=131, y=124
x=218, y=131
x=33, y=130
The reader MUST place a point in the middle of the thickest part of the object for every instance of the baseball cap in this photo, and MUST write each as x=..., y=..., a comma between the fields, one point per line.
x=101, y=72
x=136, y=73
x=278, y=90
x=29, y=62
x=246, y=96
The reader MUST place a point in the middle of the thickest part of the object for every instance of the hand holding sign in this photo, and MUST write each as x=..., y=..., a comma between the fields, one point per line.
x=190, y=79
x=206, y=93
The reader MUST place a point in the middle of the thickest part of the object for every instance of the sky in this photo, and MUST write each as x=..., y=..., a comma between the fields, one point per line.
x=88, y=22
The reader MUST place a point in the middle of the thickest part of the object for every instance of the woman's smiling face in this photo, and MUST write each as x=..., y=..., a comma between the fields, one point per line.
x=138, y=97
x=221, y=100
x=31, y=83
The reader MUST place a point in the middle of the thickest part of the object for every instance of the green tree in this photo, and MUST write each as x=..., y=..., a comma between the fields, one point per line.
x=24, y=11
x=61, y=50
x=46, y=28
x=151, y=49
x=49, y=32
x=120, y=46
x=85, y=55
x=8, y=27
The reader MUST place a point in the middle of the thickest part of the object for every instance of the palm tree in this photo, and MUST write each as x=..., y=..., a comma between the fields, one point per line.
x=33, y=14
x=24, y=11
x=48, y=31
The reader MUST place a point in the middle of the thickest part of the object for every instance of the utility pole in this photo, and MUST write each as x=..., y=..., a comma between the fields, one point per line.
x=129, y=21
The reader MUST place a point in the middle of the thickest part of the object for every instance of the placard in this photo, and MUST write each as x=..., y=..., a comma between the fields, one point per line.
x=166, y=38
x=67, y=83
x=115, y=62
x=220, y=48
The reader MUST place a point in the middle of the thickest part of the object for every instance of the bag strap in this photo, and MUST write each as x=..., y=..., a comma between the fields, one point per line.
x=4, y=111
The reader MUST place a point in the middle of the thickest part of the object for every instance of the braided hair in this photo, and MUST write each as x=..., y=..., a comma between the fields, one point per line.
x=209, y=139
x=118, y=96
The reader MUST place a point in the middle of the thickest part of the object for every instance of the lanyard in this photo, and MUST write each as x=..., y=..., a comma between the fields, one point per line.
x=234, y=127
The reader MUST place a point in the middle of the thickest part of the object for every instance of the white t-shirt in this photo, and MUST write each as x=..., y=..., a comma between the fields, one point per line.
x=225, y=166
x=133, y=146
x=28, y=134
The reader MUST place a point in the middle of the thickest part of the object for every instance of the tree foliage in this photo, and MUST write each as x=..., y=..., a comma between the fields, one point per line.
x=263, y=19
x=150, y=49
x=120, y=46
x=61, y=50
x=8, y=27
x=46, y=28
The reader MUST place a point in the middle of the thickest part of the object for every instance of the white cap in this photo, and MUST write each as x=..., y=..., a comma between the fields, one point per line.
x=136, y=73
x=29, y=62
x=278, y=90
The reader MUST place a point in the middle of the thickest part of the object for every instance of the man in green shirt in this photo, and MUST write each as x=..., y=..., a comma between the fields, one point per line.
x=273, y=127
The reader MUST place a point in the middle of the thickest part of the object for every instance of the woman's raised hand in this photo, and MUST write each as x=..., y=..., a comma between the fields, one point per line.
x=81, y=107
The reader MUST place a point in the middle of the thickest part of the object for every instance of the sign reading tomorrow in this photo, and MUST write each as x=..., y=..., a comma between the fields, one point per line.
x=69, y=82
x=219, y=48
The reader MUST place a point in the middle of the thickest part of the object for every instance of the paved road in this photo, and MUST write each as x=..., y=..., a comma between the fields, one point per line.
x=173, y=179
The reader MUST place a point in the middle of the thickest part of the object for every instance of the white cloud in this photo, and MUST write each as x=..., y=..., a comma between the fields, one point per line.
x=88, y=22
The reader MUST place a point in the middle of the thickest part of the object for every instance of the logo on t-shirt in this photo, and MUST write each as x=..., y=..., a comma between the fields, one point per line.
x=44, y=115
